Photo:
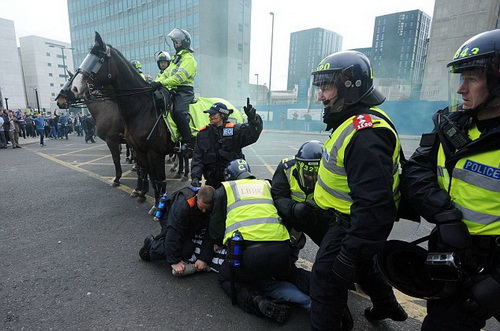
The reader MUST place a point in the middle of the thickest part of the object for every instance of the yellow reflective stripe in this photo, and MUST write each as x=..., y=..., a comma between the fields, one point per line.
x=477, y=180
x=254, y=221
x=240, y=203
x=337, y=194
x=476, y=216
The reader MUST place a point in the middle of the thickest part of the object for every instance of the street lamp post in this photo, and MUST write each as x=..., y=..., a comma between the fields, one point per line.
x=6, y=103
x=63, y=57
x=271, y=60
x=37, y=100
x=257, y=92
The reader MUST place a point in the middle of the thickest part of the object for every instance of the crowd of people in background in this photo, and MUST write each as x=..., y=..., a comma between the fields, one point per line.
x=17, y=124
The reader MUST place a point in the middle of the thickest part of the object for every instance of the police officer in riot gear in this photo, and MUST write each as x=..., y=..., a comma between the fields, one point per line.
x=163, y=60
x=292, y=190
x=453, y=180
x=358, y=184
x=179, y=78
x=138, y=67
x=244, y=204
x=221, y=142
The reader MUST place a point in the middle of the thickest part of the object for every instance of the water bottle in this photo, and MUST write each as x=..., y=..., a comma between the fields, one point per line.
x=236, y=249
x=160, y=209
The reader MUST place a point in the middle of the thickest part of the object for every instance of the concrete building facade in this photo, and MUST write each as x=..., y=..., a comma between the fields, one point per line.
x=399, y=48
x=11, y=75
x=44, y=70
x=220, y=32
x=454, y=21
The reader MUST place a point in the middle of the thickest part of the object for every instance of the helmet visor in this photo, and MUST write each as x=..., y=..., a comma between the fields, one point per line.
x=466, y=79
x=308, y=174
x=176, y=34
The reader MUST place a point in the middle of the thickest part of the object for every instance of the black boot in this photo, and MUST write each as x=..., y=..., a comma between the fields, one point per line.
x=394, y=312
x=274, y=311
x=144, y=251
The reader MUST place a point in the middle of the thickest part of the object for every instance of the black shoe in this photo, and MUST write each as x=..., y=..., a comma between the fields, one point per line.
x=395, y=313
x=144, y=251
x=347, y=321
x=276, y=312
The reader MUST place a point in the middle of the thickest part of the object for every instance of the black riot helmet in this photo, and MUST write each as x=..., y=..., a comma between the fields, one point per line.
x=308, y=158
x=403, y=265
x=162, y=56
x=182, y=36
x=351, y=74
x=479, y=53
x=237, y=169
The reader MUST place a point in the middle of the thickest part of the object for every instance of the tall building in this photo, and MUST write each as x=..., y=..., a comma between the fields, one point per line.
x=307, y=49
x=44, y=64
x=399, y=52
x=454, y=22
x=220, y=32
x=11, y=75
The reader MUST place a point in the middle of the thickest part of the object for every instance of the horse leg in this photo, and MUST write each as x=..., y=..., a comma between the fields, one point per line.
x=175, y=160
x=180, y=157
x=143, y=190
x=114, y=148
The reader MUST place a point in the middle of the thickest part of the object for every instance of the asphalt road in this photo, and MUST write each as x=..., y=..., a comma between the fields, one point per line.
x=70, y=242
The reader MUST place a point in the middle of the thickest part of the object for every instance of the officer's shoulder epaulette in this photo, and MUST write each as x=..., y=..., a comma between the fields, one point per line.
x=229, y=125
x=203, y=128
x=287, y=163
x=191, y=202
x=362, y=121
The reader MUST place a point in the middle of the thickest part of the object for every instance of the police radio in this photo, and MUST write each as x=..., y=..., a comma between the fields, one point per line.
x=452, y=132
x=444, y=266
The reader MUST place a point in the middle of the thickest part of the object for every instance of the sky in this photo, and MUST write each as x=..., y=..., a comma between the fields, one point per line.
x=353, y=19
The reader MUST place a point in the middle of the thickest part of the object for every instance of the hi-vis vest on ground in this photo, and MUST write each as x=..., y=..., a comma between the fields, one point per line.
x=474, y=187
x=250, y=209
x=332, y=189
x=297, y=193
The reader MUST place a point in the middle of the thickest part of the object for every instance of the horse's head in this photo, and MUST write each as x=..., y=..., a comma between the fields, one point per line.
x=66, y=97
x=91, y=73
x=103, y=68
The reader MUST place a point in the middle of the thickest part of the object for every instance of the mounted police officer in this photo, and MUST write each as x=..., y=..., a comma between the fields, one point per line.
x=358, y=182
x=221, y=142
x=453, y=179
x=243, y=207
x=163, y=60
x=138, y=67
x=292, y=190
x=179, y=78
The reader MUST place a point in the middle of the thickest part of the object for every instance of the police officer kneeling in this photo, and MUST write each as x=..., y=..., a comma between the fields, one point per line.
x=243, y=207
x=453, y=179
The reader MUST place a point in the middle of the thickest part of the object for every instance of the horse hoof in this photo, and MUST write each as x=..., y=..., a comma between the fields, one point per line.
x=134, y=194
x=141, y=199
x=127, y=160
x=173, y=169
x=152, y=210
x=185, y=179
x=115, y=184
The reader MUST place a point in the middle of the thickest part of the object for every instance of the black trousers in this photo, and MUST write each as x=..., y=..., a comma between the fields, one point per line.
x=264, y=261
x=183, y=96
x=158, y=252
x=328, y=297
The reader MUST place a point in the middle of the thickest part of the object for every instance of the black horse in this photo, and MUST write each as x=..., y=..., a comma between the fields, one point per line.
x=108, y=121
x=106, y=70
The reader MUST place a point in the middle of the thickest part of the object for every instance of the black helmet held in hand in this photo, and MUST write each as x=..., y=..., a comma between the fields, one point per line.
x=308, y=158
x=237, y=169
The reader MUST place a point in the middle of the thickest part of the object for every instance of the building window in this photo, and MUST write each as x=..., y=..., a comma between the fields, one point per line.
x=51, y=84
x=48, y=54
x=50, y=74
x=49, y=64
x=240, y=47
x=53, y=94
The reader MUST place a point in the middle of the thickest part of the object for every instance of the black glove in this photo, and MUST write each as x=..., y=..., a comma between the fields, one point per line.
x=251, y=112
x=483, y=297
x=453, y=234
x=344, y=269
x=301, y=210
x=156, y=85
x=196, y=182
